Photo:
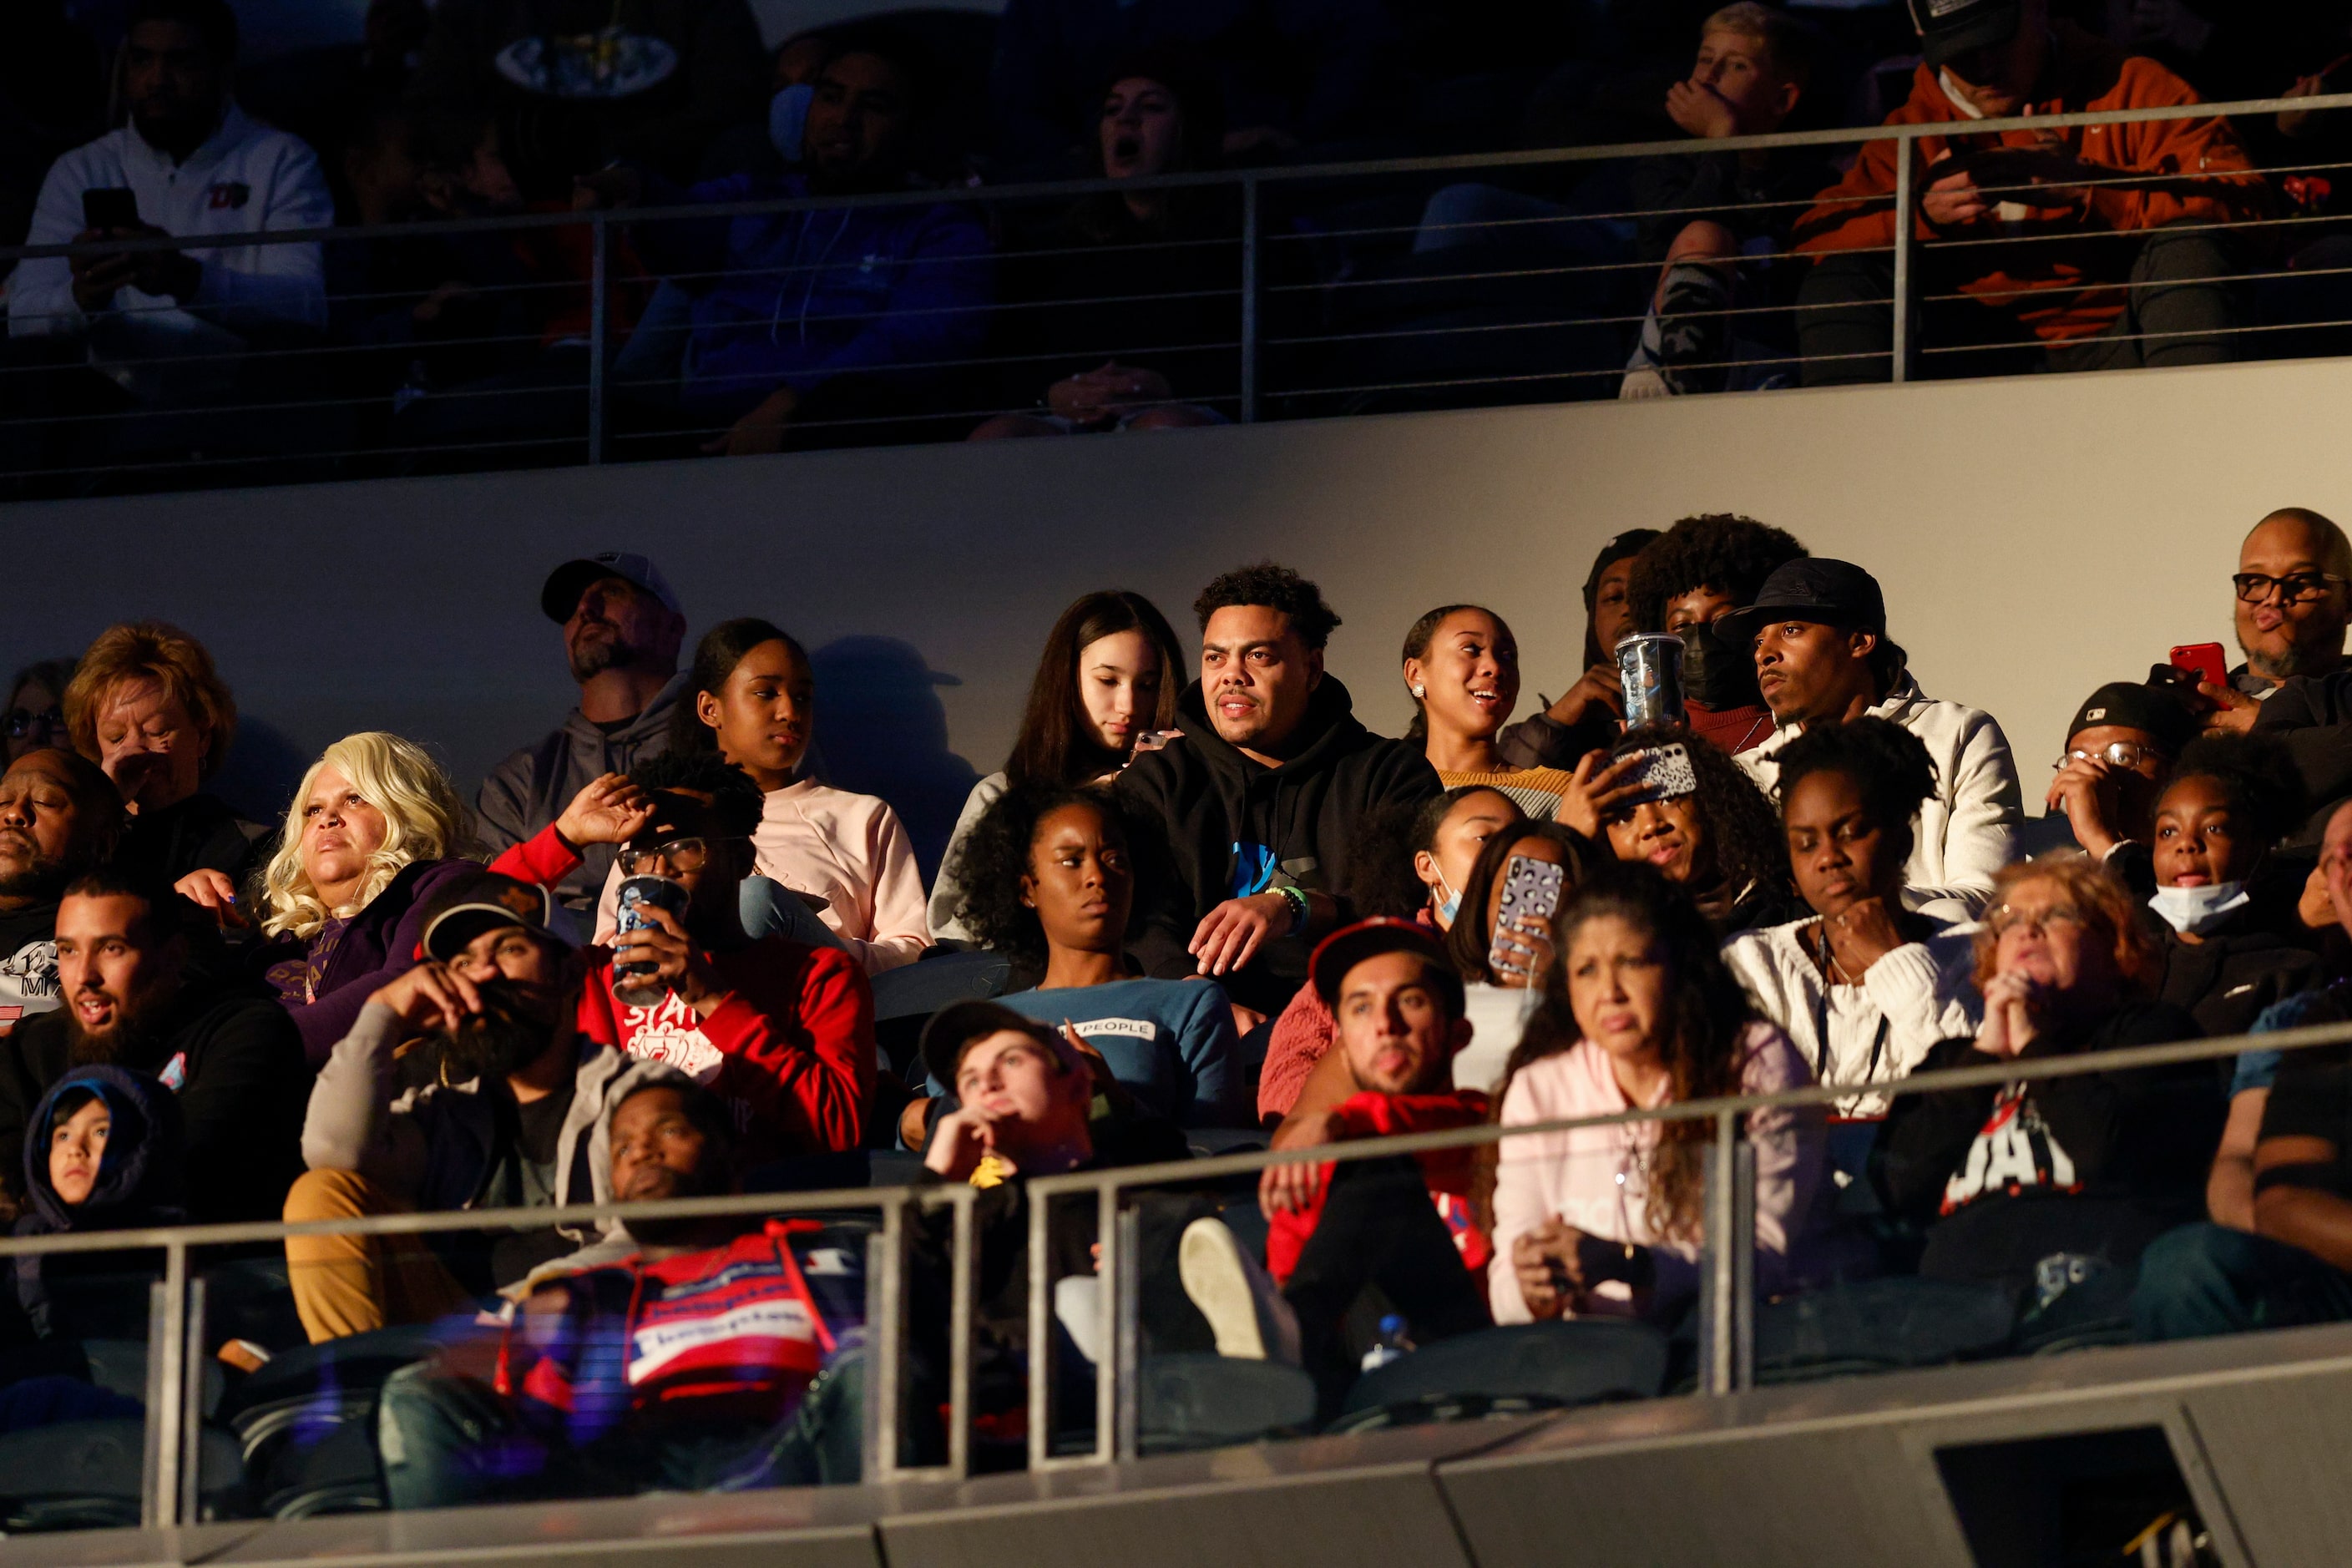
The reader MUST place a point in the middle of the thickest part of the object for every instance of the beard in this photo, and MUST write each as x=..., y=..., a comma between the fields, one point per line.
x=595, y=656
x=26, y=873
x=138, y=1023
x=513, y=1030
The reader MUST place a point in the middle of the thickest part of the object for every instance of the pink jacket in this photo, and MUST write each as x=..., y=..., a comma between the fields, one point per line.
x=1593, y=1177
x=848, y=849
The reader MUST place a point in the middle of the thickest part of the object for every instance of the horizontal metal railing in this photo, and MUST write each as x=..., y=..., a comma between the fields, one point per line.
x=591, y=436
x=1728, y=1353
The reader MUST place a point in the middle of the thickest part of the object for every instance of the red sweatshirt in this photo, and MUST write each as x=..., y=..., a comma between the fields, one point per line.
x=790, y=1046
x=1447, y=1171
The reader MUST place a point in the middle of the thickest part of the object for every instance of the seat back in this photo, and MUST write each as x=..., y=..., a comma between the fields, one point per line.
x=1879, y=1323
x=1195, y=1400
x=1581, y=1360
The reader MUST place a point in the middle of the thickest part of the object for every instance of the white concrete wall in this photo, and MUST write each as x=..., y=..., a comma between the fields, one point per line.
x=2036, y=536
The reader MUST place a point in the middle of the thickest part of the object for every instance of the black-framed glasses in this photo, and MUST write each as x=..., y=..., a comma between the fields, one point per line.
x=2294, y=588
x=678, y=855
x=21, y=723
x=2117, y=754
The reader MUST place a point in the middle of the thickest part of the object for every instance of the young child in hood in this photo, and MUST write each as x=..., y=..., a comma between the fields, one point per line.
x=105, y=1152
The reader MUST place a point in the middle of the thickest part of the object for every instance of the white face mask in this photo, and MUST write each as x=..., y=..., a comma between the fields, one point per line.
x=2194, y=911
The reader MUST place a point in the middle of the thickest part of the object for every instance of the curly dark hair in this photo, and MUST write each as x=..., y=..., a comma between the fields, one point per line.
x=1702, y=1056
x=1887, y=763
x=1743, y=833
x=1272, y=588
x=1468, y=942
x=1719, y=550
x=994, y=856
x=2257, y=777
x=734, y=798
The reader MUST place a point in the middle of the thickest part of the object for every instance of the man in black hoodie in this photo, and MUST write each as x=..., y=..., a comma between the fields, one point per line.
x=136, y=997
x=1262, y=798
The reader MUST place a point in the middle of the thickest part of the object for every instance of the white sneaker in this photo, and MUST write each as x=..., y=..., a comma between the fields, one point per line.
x=1642, y=386
x=1233, y=1291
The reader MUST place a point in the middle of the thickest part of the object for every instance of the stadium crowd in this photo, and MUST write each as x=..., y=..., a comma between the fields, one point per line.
x=1201, y=907
x=2156, y=243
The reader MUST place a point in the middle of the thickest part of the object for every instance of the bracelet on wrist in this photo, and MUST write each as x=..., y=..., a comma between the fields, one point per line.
x=1299, y=908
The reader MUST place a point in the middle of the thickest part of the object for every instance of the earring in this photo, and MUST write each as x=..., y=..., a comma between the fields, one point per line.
x=1420, y=691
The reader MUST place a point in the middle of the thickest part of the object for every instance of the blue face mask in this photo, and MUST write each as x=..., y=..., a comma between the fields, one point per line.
x=788, y=119
x=1448, y=907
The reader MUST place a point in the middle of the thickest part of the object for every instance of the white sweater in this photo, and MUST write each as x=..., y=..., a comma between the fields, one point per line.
x=1878, y=1031
x=1967, y=828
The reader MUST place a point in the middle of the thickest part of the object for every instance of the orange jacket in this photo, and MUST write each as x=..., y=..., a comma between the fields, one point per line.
x=2043, y=277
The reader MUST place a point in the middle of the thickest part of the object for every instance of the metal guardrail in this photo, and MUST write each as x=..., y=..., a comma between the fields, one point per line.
x=1246, y=399
x=176, y=1336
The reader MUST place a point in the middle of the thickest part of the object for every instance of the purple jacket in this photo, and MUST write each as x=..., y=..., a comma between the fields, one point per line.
x=370, y=949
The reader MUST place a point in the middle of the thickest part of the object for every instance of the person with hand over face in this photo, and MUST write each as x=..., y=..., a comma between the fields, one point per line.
x=2120, y=749
x=1710, y=829
x=138, y=994
x=60, y=817
x=1608, y=1220
x=2073, y=296
x=1049, y=880
x=1403, y=1225
x=146, y=705
x=2038, y=1183
x=750, y=702
x=1863, y=987
x=1261, y=799
x=1105, y=689
x=1818, y=630
x=1461, y=670
x=1592, y=710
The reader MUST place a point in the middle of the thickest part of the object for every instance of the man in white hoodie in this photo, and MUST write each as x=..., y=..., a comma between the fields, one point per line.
x=1819, y=631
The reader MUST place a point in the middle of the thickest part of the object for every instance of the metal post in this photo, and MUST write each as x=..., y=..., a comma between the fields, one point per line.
x=192, y=1409
x=1123, y=1295
x=1113, y=1251
x=167, y=1350
x=1041, y=1337
x=885, y=1341
x=1906, y=150
x=1719, y=1285
x=597, y=332
x=965, y=1270
x=1249, y=297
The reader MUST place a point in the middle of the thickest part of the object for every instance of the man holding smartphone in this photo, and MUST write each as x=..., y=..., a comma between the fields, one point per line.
x=188, y=163
x=2292, y=592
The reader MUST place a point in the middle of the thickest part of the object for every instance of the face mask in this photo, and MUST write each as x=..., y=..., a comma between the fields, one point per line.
x=2193, y=911
x=1448, y=907
x=1715, y=672
x=788, y=119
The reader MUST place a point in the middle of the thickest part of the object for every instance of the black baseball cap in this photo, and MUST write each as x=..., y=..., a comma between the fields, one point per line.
x=958, y=1024
x=1350, y=945
x=1834, y=593
x=475, y=901
x=2158, y=709
x=1951, y=28
x=560, y=595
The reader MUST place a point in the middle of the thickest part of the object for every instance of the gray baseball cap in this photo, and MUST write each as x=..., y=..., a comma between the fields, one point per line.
x=569, y=581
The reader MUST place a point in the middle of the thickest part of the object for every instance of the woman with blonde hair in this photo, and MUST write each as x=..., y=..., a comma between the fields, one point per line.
x=2047, y=1184
x=376, y=829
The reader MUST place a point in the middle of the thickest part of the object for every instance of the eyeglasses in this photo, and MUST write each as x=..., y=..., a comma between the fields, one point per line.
x=2009, y=918
x=19, y=722
x=2294, y=588
x=678, y=855
x=2120, y=754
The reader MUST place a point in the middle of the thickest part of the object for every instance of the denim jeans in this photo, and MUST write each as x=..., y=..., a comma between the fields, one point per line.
x=2204, y=1279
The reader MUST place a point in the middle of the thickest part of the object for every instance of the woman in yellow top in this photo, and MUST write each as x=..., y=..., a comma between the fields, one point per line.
x=1462, y=666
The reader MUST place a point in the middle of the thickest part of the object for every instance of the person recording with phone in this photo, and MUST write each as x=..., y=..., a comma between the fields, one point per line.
x=2292, y=592
x=1819, y=631
x=1863, y=987
x=1664, y=796
x=188, y=163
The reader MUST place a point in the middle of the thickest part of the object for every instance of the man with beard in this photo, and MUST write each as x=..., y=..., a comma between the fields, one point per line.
x=188, y=163
x=59, y=815
x=135, y=998
x=622, y=627
x=463, y=1084
x=699, y=1357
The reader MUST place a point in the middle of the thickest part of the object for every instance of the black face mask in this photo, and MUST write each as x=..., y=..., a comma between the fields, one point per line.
x=1717, y=673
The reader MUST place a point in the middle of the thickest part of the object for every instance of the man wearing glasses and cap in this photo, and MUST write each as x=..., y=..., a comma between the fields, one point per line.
x=621, y=629
x=2120, y=749
x=2066, y=298
x=1818, y=629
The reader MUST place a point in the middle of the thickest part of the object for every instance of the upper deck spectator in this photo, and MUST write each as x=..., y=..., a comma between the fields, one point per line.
x=2074, y=298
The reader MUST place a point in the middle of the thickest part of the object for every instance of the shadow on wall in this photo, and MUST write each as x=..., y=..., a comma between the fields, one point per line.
x=262, y=771
x=885, y=732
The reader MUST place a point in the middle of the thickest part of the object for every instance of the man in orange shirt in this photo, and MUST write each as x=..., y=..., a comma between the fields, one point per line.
x=2034, y=227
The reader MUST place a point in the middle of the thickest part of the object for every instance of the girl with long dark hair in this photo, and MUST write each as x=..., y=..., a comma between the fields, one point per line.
x=1461, y=670
x=1108, y=680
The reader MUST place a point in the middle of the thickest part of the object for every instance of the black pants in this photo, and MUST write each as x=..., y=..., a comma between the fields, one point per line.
x=2179, y=309
x=1378, y=1231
